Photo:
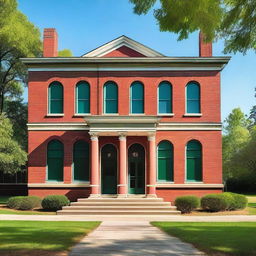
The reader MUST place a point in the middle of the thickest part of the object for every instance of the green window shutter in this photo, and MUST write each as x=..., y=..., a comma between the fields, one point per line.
x=83, y=98
x=81, y=161
x=56, y=98
x=165, y=161
x=193, y=98
x=110, y=98
x=55, y=159
x=165, y=98
x=194, y=161
x=137, y=98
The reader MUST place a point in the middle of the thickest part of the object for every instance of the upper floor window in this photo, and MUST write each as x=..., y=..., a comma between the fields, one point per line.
x=137, y=98
x=165, y=98
x=82, y=98
x=55, y=95
x=194, y=161
x=193, y=98
x=110, y=98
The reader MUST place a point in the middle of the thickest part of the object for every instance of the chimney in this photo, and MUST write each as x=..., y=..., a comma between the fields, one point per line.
x=50, y=45
x=205, y=49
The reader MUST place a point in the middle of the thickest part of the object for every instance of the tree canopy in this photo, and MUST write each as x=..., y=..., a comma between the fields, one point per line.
x=233, y=20
x=18, y=38
x=65, y=53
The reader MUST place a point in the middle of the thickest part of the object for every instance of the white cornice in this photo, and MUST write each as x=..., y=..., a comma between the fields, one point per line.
x=58, y=185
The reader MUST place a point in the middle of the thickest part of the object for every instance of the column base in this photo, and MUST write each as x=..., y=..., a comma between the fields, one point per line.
x=151, y=196
x=122, y=196
x=94, y=196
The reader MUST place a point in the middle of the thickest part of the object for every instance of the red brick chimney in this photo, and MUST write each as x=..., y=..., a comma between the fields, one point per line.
x=205, y=49
x=50, y=45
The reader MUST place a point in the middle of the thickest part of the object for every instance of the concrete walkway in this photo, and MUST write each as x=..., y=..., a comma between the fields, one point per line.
x=132, y=218
x=133, y=238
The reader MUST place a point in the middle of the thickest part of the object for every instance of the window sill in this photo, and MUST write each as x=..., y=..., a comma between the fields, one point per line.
x=55, y=115
x=81, y=115
x=163, y=115
x=110, y=114
x=194, y=182
x=143, y=114
x=192, y=115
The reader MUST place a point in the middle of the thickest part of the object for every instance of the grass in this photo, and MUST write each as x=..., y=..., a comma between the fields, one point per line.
x=215, y=238
x=6, y=210
x=4, y=199
x=35, y=237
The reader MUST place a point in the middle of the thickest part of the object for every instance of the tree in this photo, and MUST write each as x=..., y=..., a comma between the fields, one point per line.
x=18, y=38
x=12, y=157
x=253, y=112
x=65, y=53
x=233, y=20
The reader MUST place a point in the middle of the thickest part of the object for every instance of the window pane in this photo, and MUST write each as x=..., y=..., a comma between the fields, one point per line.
x=83, y=106
x=56, y=91
x=137, y=107
x=193, y=106
x=110, y=98
x=111, y=106
x=55, y=98
x=137, y=91
x=193, y=91
x=110, y=91
x=164, y=91
x=56, y=106
x=164, y=106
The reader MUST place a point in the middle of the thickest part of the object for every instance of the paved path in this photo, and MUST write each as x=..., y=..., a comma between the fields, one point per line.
x=119, y=238
x=175, y=218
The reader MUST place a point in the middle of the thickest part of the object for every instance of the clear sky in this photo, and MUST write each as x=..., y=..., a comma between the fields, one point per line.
x=83, y=25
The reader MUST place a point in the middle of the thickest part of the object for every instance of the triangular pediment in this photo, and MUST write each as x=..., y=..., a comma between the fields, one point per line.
x=123, y=46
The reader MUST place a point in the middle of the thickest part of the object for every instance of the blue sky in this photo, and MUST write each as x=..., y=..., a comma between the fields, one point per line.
x=83, y=25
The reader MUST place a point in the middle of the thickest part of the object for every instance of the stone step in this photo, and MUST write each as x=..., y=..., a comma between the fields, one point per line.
x=114, y=212
x=120, y=200
x=119, y=208
x=89, y=203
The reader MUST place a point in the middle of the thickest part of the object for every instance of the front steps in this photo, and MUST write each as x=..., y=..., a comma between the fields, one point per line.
x=119, y=206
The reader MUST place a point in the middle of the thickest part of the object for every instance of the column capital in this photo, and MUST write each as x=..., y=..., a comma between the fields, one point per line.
x=94, y=136
x=151, y=137
x=122, y=136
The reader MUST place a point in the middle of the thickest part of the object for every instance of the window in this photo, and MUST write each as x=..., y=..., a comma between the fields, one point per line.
x=81, y=161
x=55, y=98
x=165, y=98
x=82, y=98
x=55, y=153
x=165, y=161
x=137, y=98
x=194, y=161
x=110, y=98
x=193, y=98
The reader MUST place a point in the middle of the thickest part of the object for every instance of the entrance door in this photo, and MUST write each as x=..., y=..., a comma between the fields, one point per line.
x=136, y=165
x=108, y=169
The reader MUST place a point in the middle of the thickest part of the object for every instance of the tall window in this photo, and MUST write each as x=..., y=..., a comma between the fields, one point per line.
x=137, y=98
x=165, y=98
x=165, y=161
x=194, y=160
x=55, y=98
x=81, y=161
x=82, y=98
x=110, y=98
x=55, y=154
x=193, y=98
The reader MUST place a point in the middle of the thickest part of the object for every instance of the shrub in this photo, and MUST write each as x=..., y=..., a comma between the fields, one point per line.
x=186, y=204
x=54, y=202
x=24, y=202
x=214, y=202
x=14, y=202
x=230, y=200
x=240, y=201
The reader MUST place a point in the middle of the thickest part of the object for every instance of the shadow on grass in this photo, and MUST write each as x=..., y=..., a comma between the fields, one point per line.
x=215, y=238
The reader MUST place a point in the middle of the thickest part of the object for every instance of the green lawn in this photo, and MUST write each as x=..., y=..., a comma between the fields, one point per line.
x=30, y=237
x=215, y=238
x=10, y=211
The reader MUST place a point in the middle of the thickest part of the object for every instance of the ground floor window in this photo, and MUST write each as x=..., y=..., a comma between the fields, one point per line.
x=81, y=161
x=194, y=161
x=55, y=155
x=165, y=161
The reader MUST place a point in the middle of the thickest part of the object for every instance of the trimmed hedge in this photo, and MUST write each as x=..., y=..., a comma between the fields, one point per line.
x=55, y=202
x=240, y=201
x=214, y=202
x=24, y=202
x=187, y=204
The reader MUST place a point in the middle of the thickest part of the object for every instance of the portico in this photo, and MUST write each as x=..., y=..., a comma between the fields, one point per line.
x=123, y=168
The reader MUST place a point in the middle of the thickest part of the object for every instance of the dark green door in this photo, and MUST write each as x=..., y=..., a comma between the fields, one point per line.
x=136, y=165
x=108, y=169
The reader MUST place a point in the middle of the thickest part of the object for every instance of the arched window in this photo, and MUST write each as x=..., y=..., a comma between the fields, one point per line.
x=55, y=153
x=137, y=98
x=165, y=98
x=165, y=161
x=110, y=98
x=82, y=98
x=55, y=94
x=194, y=160
x=81, y=161
x=193, y=98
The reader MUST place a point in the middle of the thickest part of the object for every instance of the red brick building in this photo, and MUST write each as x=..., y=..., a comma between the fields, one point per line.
x=124, y=119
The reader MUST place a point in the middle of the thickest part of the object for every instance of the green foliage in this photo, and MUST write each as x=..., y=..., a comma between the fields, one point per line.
x=24, y=202
x=187, y=204
x=233, y=20
x=65, y=53
x=55, y=202
x=229, y=197
x=14, y=202
x=253, y=111
x=214, y=203
x=240, y=201
x=12, y=157
x=18, y=38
